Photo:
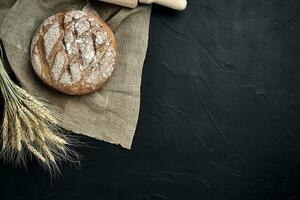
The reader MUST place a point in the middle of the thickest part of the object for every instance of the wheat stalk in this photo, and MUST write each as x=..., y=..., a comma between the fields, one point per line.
x=29, y=127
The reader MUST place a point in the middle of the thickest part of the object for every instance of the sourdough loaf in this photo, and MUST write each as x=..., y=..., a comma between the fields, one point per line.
x=74, y=52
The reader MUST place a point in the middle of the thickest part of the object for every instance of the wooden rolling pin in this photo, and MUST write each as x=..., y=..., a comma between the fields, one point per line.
x=174, y=4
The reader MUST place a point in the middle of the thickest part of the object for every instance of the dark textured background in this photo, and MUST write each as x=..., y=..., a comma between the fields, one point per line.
x=220, y=113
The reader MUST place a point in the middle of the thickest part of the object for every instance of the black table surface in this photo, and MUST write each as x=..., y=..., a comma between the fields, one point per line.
x=219, y=117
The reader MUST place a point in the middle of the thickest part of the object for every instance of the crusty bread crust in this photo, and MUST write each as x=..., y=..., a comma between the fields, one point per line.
x=74, y=52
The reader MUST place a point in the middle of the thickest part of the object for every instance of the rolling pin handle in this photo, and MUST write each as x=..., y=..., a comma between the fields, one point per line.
x=174, y=4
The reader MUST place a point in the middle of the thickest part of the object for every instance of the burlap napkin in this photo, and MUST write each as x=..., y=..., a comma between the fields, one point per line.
x=110, y=114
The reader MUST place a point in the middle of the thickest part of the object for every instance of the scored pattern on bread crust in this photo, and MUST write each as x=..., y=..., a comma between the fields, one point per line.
x=73, y=52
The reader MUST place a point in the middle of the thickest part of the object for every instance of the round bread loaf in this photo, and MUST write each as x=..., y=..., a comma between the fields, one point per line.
x=74, y=52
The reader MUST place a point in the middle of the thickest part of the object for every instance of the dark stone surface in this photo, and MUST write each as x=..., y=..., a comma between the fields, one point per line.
x=220, y=113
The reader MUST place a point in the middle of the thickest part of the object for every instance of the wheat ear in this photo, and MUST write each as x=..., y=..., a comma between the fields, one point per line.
x=4, y=130
x=18, y=132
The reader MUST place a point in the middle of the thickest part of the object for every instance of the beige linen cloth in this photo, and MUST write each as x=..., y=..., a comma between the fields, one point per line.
x=109, y=114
